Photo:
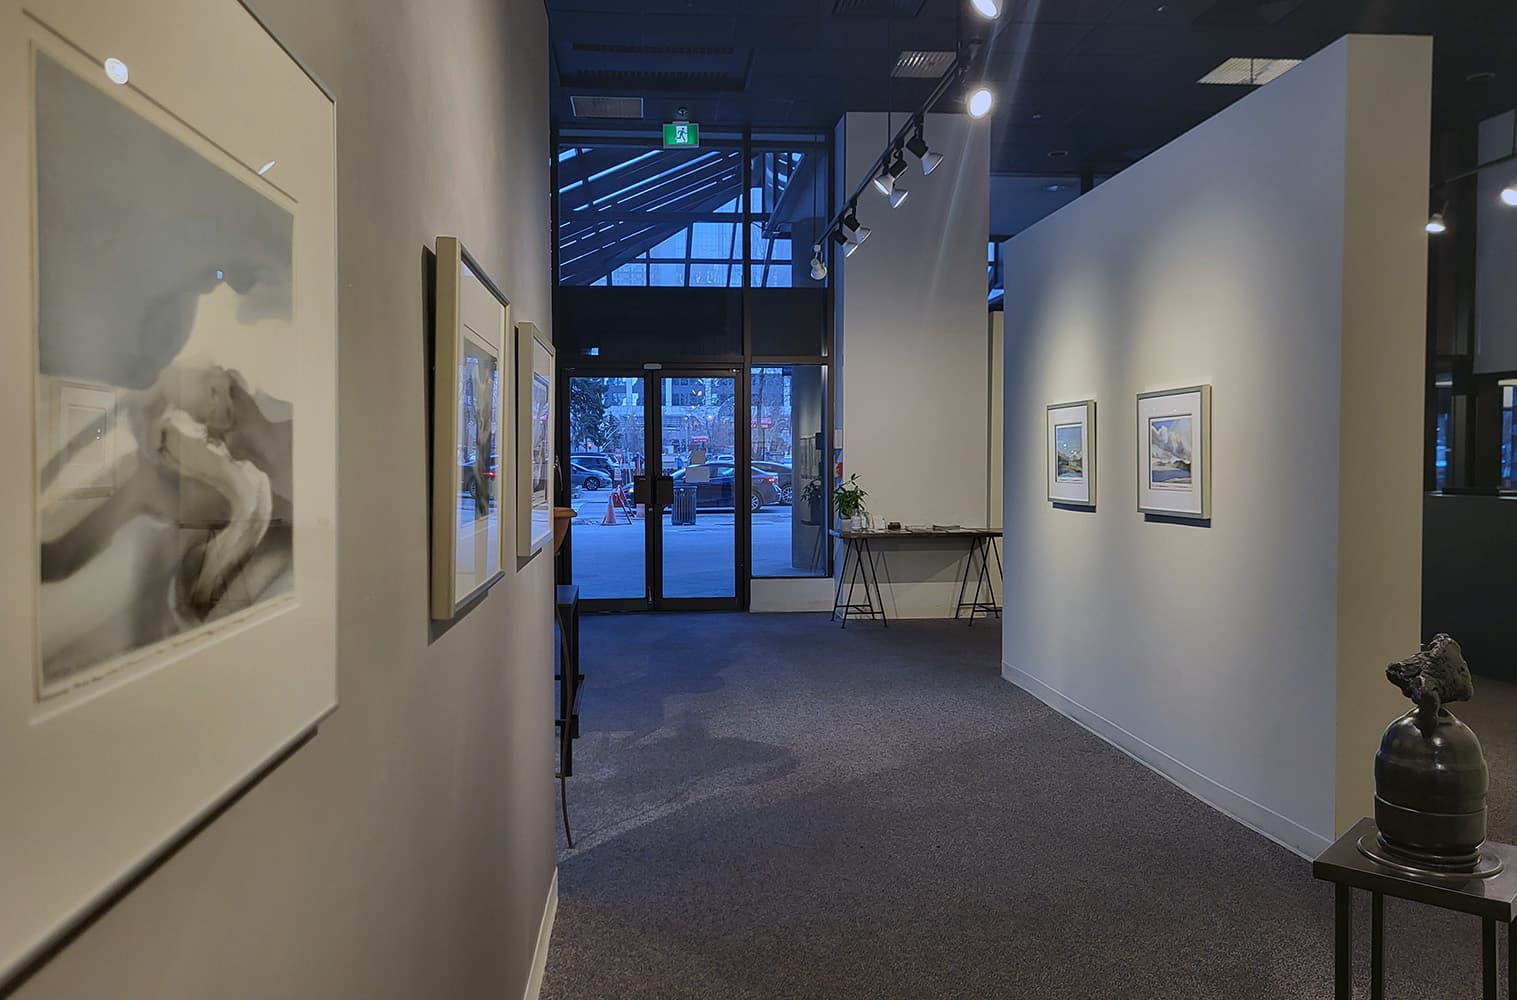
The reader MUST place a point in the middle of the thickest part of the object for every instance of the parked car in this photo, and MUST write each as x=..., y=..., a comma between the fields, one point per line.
x=587, y=479
x=719, y=488
x=782, y=479
x=478, y=488
x=594, y=461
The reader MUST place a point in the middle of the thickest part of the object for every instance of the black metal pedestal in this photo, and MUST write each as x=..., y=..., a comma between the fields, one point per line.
x=569, y=677
x=1493, y=900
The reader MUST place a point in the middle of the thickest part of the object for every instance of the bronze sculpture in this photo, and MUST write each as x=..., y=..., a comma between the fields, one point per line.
x=1430, y=773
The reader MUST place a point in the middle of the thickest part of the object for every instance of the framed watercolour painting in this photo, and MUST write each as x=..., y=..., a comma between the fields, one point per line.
x=1072, y=453
x=468, y=541
x=534, y=439
x=168, y=386
x=1174, y=452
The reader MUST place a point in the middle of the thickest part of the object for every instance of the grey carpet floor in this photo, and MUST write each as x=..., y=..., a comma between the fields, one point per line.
x=768, y=806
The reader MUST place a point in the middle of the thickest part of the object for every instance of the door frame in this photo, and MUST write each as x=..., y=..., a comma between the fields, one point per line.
x=652, y=376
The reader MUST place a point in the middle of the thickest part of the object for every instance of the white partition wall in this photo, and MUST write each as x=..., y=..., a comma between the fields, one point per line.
x=912, y=344
x=1275, y=253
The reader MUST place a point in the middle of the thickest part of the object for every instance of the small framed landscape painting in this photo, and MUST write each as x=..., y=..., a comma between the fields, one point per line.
x=1174, y=452
x=1072, y=453
x=534, y=439
x=468, y=543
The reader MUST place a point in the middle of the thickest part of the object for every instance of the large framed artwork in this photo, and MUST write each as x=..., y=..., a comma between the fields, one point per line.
x=1174, y=452
x=168, y=290
x=534, y=439
x=1072, y=453
x=468, y=540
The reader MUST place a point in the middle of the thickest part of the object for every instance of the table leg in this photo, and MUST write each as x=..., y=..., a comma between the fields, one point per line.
x=858, y=561
x=1488, y=956
x=1511, y=962
x=1343, y=943
x=837, y=598
x=958, y=609
x=980, y=577
x=1377, y=946
x=874, y=572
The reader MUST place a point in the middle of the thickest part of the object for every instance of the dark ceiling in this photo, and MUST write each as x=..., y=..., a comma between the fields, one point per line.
x=1105, y=80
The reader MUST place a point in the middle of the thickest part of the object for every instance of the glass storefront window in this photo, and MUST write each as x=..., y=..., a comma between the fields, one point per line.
x=787, y=409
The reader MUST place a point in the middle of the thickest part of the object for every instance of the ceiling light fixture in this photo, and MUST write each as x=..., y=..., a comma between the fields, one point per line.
x=987, y=8
x=116, y=71
x=898, y=195
x=848, y=250
x=883, y=182
x=818, y=269
x=918, y=147
x=266, y=167
x=851, y=223
x=980, y=102
x=1436, y=225
x=1509, y=194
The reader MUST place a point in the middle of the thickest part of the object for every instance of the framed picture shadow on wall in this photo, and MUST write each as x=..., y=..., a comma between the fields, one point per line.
x=1072, y=453
x=1174, y=453
x=534, y=439
x=168, y=385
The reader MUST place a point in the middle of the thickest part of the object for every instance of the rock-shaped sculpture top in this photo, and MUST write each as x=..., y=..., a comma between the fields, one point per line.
x=1433, y=677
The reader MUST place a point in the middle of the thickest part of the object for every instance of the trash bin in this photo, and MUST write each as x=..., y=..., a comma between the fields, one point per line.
x=684, y=505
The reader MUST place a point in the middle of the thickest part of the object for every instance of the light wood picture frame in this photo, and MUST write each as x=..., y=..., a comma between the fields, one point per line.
x=535, y=398
x=1174, y=453
x=469, y=380
x=1071, y=453
x=168, y=348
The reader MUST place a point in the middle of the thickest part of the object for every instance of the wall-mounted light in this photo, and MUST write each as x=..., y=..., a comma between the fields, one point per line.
x=981, y=100
x=986, y=8
x=1509, y=194
x=1436, y=225
x=266, y=167
x=818, y=269
x=116, y=71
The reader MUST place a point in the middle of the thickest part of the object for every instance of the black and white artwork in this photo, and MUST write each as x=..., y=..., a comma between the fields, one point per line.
x=165, y=384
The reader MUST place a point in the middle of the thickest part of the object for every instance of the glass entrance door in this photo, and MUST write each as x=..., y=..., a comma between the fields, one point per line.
x=697, y=451
x=652, y=463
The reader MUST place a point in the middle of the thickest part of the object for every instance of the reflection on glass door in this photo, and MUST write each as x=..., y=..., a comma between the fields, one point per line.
x=607, y=439
x=697, y=449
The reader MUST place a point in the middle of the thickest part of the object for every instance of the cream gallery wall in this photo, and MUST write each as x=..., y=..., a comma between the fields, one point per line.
x=1213, y=442
x=272, y=753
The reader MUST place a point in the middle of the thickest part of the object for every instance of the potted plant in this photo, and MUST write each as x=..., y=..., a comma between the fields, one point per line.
x=811, y=496
x=848, y=500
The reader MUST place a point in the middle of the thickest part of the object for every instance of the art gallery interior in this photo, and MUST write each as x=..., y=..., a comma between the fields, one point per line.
x=1131, y=406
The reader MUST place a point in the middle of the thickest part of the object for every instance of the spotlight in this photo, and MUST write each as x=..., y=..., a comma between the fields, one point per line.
x=1436, y=225
x=1509, y=194
x=851, y=223
x=898, y=195
x=883, y=182
x=980, y=102
x=987, y=8
x=818, y=269
x=839, y=237
x=918, y=147
x=851, y=248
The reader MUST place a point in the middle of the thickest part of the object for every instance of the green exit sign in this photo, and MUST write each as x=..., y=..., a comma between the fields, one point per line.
x=682, y=135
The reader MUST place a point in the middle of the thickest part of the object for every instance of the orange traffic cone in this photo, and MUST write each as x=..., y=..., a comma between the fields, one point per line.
x=610, y=517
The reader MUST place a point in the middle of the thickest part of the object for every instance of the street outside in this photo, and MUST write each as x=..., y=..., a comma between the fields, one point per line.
x=609, y=560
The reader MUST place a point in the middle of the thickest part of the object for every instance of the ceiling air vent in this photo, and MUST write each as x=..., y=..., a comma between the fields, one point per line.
x=630, y=49
x=606, y=107
x=1246, y=13
x=915, y=64
x=1244, y=71
x=877, y=8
